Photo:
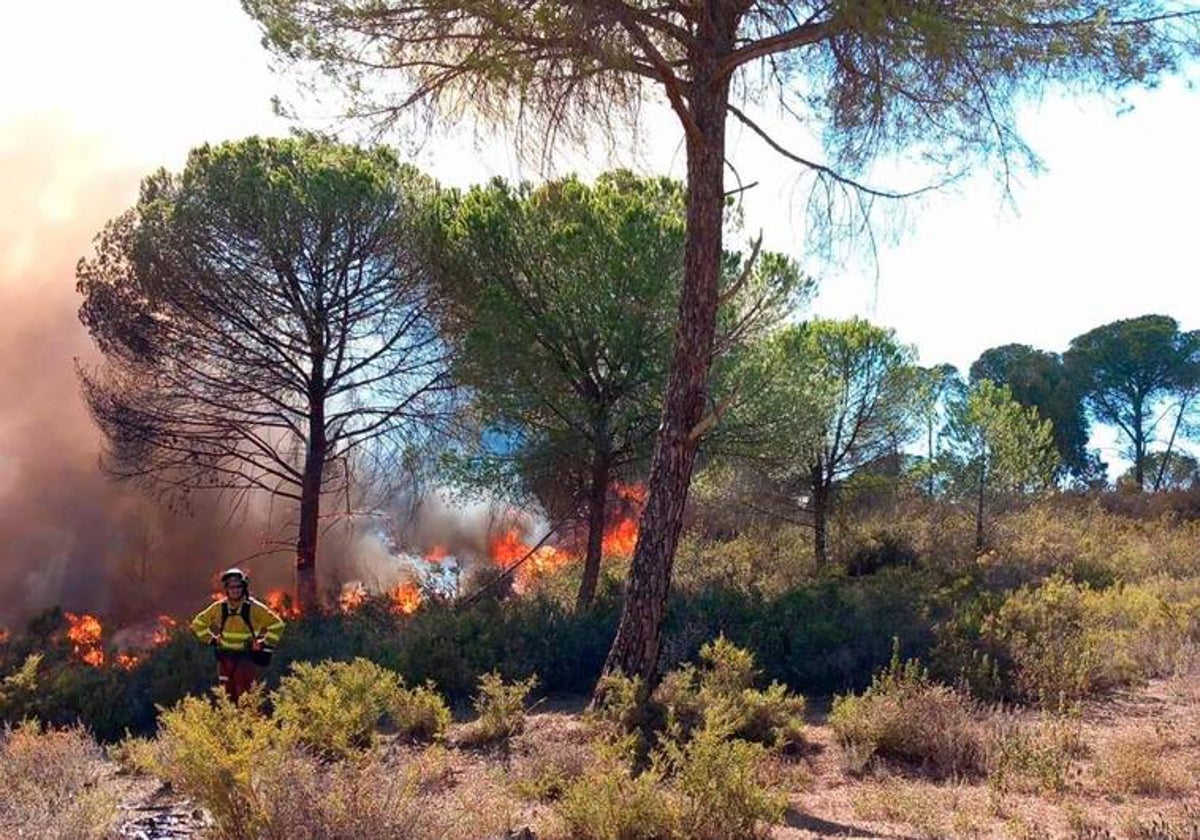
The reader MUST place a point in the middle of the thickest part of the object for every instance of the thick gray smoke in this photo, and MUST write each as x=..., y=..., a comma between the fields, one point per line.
x=68, y=534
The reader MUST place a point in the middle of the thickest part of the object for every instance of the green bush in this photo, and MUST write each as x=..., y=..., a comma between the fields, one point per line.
x=218, y=752
x=336, y=707
x=721, y=689
x=720, y=782
x=906, y=717
x=609, y=803
x=420, y=713
x=501, y=710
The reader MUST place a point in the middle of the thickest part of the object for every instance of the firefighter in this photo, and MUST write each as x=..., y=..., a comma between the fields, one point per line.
x=242, y=631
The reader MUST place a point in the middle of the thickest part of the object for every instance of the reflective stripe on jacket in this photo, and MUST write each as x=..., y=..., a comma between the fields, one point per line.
x=237, y=636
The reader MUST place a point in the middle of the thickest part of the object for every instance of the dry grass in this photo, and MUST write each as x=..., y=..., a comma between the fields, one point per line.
x=1142, y=763
x=51, y=783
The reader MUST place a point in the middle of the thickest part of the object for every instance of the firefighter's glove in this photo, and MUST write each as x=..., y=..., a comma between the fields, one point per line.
x=256, y=644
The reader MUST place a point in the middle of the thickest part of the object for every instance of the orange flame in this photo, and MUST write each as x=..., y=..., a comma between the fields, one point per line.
x=353, y=596
x=437, y=554
x=162, y=635
x=635, y=493
x=3, y=636
x=127, y=661
x=84, y=631
x=509, y=548
x=406, y=598
x=620, y=538
x=281, y=604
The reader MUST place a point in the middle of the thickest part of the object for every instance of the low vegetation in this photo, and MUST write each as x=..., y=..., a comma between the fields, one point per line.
x=964, y=695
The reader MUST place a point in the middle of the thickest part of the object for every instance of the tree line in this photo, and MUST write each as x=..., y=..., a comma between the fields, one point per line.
x=296, y=316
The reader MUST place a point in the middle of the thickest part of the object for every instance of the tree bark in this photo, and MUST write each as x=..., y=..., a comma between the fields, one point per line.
x=820, y=503
x=310, y=511
x=979, y=505
x=639, y=635
x=597, y=507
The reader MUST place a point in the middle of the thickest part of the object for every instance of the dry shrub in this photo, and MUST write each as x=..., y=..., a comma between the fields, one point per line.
x=501, y=710
x=1063, y=641
x=1141, y=764
x=217, y=752
x=546, y=768
x=928, y=810
x=49, y=780
x=305, y=799
x=904, y=716
x=1026, y=757
x=419, y=714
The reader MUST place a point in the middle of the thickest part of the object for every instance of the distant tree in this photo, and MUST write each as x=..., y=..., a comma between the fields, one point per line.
x=1130, y=371
x=265, y=324
x=934, y=390
x=1173, y=471
x=870, y=77
x=1040, y=379
x=565, y=299
x=1000, y=447
x=827, y=398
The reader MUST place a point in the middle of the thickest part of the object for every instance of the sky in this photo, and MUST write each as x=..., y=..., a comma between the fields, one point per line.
x=109, y=91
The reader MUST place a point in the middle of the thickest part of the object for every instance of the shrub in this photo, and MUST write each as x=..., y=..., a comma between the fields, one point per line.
x=721, y=690
x=721, y=784
x=420, y=713
x=336, y=707
x=501, y=710
x=49, y=779
x=1029, y=758
x=905, y=716
x=367, y=798
x=217, y=752
x=609, y=803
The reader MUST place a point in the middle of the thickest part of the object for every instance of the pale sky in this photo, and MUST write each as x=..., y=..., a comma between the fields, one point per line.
x=1108, y=232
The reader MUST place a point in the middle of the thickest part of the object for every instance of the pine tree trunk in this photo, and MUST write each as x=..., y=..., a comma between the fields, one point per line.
x=310, y=512
x=597, y=507
x=636, y=647
x=820, y=502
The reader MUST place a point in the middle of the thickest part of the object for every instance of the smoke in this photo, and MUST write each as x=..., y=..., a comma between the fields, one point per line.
x=72, y=536
x=69, y=535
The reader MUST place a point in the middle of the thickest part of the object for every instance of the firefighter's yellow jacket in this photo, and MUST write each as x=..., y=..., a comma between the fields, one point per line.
x=236, y=635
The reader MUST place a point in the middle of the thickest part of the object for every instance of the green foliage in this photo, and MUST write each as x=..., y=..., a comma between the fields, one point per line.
x=720, y=782
x=216, y=752
x=1128, y=370
x=720, y=694
x=420, y=713
x=336, y=707
x=501, y=710
x=610, y=803
x=907, y=717
x=1038, y=379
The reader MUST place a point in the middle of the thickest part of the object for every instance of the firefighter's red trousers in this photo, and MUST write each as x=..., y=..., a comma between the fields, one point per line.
x=236, y=673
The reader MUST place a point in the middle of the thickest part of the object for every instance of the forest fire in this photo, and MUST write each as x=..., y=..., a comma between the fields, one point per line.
x=406, y=598
x=281, y=604
x=437, y=554
x=83, y=631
